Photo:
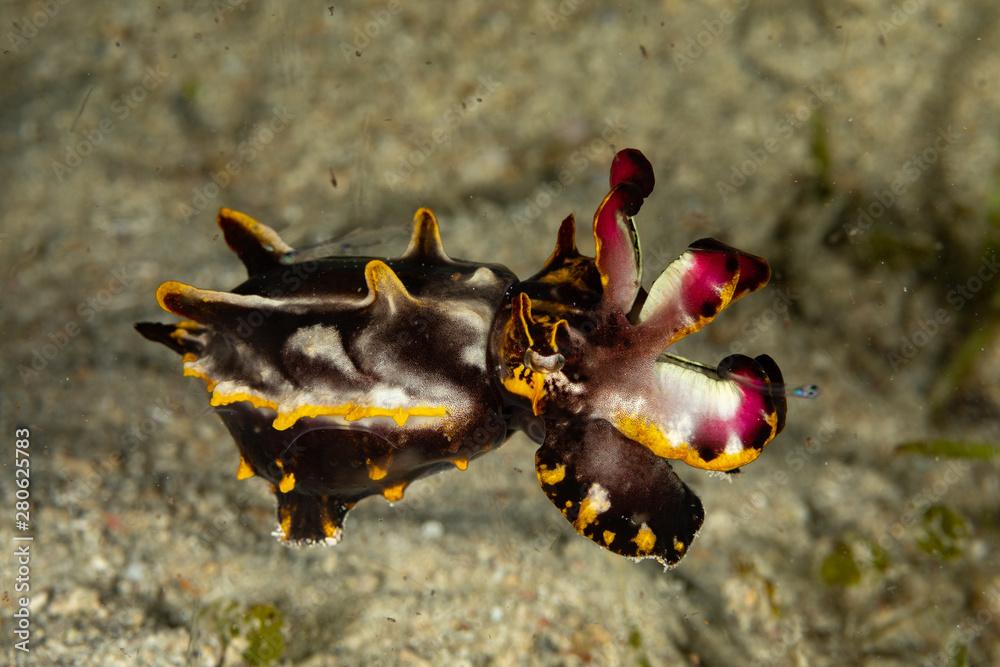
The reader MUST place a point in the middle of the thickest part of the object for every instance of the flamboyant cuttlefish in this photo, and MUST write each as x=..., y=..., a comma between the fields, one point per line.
x=346, y=377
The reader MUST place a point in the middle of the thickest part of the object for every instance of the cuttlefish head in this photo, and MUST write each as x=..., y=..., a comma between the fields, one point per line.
x=585, y=347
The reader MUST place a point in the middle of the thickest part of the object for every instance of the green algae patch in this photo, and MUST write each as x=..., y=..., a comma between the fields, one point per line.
x=950, y=449
x=839, y=569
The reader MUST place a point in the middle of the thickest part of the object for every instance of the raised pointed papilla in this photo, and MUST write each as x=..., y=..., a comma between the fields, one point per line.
x=185, y=337
x=425, y=243
x=221, y=309
x=257, y=245
x=385, y=289
x=565, y=244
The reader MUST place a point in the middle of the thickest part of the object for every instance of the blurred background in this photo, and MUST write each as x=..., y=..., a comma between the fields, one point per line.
x=854, y=143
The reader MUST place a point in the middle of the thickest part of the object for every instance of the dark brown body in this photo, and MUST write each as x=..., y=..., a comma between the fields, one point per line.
x=341, y=378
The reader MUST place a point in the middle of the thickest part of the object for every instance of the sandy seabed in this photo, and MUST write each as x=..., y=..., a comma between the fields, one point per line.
x=853, y=143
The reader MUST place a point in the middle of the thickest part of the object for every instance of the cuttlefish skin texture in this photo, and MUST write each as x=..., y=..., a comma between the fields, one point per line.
x=341, y=378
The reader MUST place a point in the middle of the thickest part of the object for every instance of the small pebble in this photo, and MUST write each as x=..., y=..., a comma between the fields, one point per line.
x=432, y=530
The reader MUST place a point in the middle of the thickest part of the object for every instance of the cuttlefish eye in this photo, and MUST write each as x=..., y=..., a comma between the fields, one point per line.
x=543, y=363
